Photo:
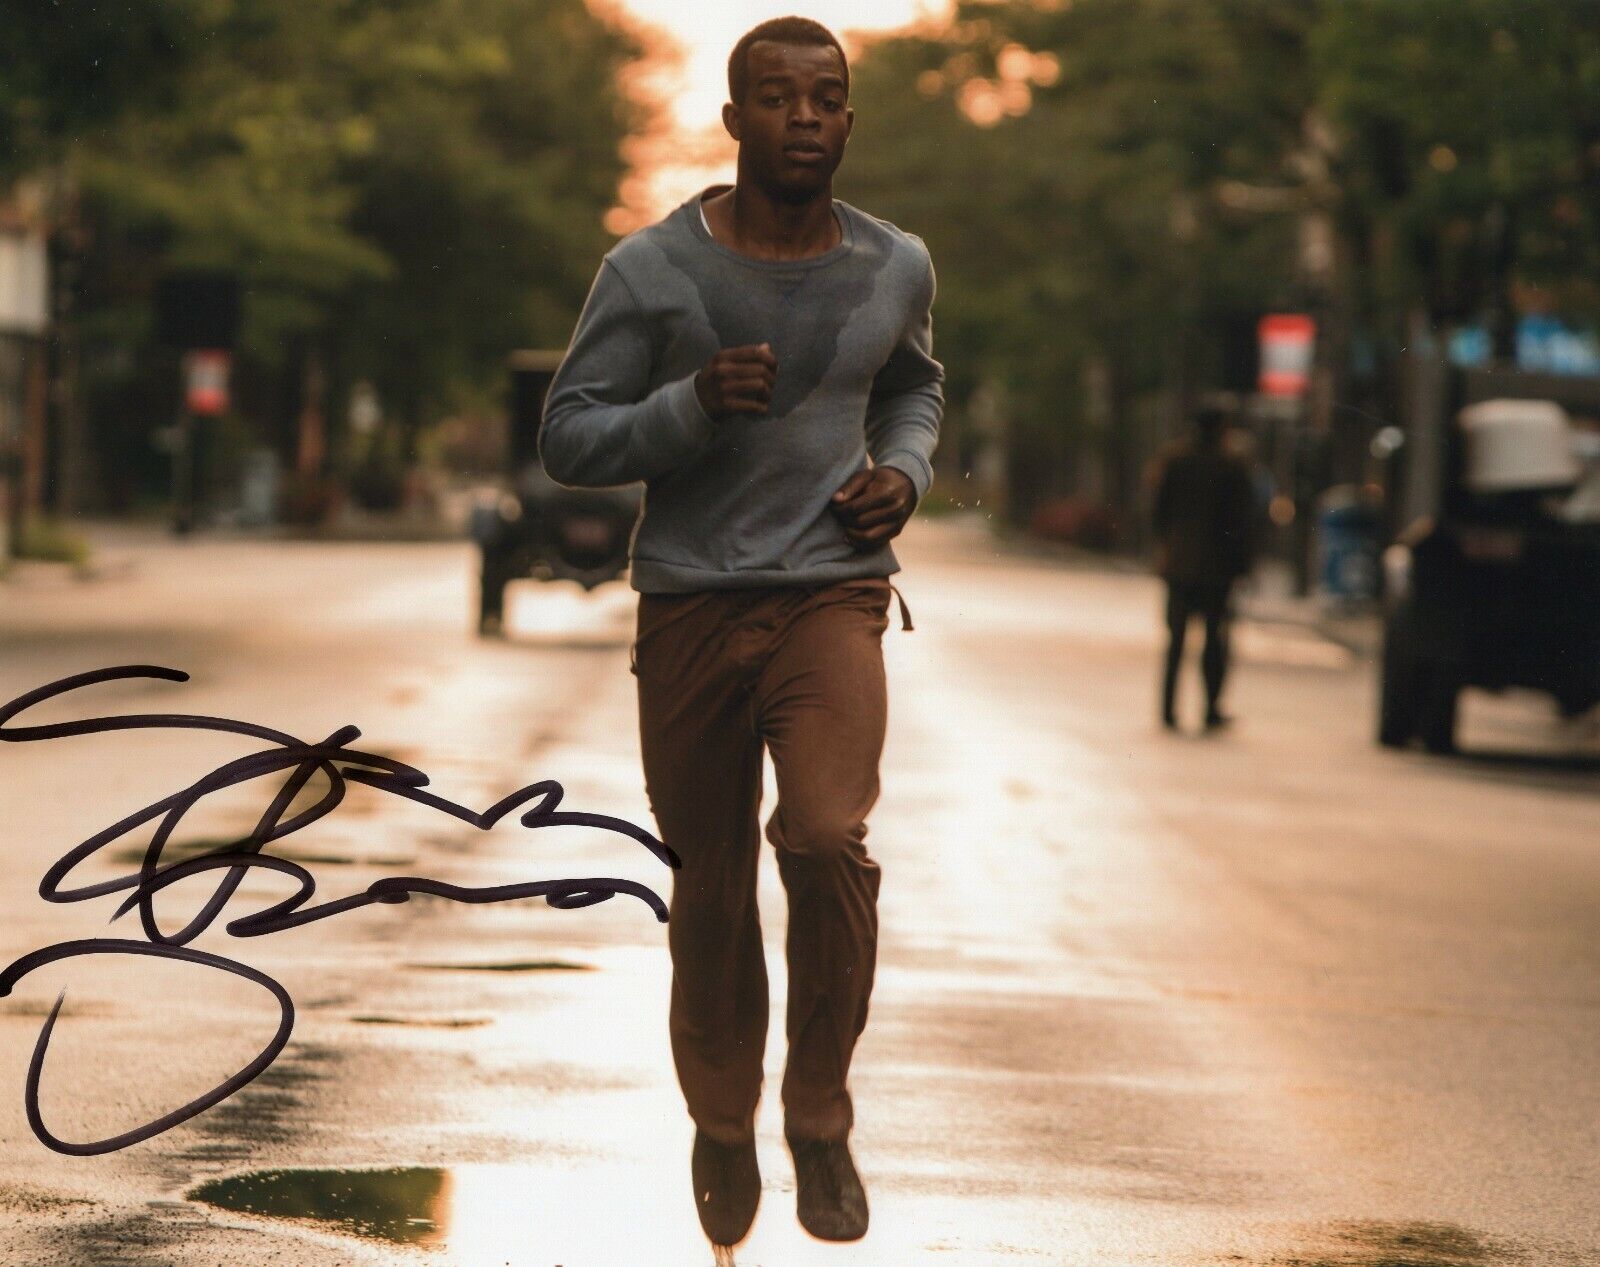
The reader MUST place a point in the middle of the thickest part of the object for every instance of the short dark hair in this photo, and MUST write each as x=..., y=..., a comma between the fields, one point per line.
x=779, y=31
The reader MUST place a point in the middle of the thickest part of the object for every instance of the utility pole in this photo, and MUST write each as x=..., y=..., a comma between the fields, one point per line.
x=11, y=428
x=24, y=318
x=74, y=467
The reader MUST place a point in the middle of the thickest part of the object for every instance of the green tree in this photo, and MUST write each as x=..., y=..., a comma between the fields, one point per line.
x=67, y=71
x=1070, y=168
x=407, y=189
x=495, y=150
x=1468, y=153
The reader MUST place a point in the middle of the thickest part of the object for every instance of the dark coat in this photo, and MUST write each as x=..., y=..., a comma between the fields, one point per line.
x=1205, y=518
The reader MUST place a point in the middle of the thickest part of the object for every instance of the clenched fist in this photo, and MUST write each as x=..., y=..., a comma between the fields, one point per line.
x=874, y=505
x=737, y=381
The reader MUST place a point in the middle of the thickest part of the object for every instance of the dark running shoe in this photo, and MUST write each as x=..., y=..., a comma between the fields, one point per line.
x=830, y=1200
x=727, y=1187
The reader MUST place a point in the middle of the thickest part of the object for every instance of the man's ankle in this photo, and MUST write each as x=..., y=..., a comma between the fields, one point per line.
x=829, y=1197
x=727, y=1187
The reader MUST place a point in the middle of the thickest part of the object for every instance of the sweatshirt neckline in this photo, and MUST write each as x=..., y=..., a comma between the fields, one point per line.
x=701, y=230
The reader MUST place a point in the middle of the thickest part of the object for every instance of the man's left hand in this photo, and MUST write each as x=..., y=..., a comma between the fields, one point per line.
x=874, y=505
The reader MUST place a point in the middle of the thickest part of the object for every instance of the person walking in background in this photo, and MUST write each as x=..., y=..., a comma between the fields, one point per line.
x=1205, y=525
x=745, y=357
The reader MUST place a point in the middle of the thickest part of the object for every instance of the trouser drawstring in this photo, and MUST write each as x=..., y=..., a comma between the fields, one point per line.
x=905, y=612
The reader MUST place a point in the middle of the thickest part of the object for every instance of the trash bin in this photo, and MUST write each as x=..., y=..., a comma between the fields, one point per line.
x=1349, y=545
x=259, y=481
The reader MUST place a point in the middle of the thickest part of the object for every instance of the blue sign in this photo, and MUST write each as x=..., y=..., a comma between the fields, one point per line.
x=1546, y=345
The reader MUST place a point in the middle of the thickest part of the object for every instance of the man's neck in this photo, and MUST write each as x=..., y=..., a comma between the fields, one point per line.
x=747, y=221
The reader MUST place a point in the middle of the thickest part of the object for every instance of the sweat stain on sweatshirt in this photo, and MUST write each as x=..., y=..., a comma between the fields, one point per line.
x=745, y=502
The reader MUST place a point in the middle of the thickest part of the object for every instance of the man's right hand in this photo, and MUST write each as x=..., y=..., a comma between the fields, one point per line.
x=737, y=381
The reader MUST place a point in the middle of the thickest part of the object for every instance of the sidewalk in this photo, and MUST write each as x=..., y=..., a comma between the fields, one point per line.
x=116, y=548
x=1266, y=598
x=1269, y=598
x=116, y=545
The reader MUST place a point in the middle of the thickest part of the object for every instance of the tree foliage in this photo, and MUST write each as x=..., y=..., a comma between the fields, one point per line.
x=1113, y=190
x=1468, y=148
x=1127, y=184
x=407, y=188
x=1064, y=166
x=64, y=72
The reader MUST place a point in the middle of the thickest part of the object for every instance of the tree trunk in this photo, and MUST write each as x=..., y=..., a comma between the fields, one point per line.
x=312, y=448
x=36, y=394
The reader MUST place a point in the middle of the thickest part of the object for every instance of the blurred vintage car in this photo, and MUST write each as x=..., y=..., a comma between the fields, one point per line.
x=1498, y=585
x=533, y=527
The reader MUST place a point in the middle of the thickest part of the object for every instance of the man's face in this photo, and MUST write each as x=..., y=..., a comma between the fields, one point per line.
x=794, y=120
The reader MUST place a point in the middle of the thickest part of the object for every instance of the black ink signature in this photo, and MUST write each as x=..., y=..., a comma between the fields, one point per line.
x=339, y=764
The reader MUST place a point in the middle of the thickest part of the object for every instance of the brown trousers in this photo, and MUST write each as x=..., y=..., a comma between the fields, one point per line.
x=800, y=671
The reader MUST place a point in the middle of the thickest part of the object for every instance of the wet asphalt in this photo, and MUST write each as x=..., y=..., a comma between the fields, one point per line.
x=1272, y=997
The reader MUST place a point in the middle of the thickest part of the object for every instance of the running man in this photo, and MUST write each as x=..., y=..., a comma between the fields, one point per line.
x=762, y=360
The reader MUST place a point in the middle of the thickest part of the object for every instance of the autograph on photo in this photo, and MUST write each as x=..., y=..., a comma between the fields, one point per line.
x=339, y=764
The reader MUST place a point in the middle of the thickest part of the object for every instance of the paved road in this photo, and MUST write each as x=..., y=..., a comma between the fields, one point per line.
x=1278, y=997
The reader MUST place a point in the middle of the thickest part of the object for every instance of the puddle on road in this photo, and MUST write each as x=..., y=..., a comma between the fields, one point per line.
x=172, y=851
x=38, y=1009
x=567, y=642
x=511, y=965
x=406, y=1205
x=1407, y=1245
x=181, y=850
x=475, y=1214
x=425, y=1022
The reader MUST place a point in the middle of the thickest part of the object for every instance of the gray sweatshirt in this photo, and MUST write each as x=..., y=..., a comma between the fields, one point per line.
x=744, y=502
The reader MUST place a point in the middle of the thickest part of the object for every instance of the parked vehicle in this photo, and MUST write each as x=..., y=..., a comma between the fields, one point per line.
x=1499, y=586
x=534, y=527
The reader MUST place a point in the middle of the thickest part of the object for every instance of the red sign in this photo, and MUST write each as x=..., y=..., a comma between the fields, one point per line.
x=1288, y=341
x=205, y=374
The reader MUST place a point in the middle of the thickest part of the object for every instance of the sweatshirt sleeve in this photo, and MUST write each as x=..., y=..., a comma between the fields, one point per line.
x=603, y=426
x=907, y=400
